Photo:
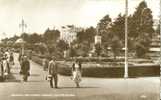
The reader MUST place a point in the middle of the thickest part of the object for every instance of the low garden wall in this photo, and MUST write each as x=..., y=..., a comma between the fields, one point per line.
x=95, y=70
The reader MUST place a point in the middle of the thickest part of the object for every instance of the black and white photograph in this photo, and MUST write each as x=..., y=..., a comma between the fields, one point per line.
x=80, y=49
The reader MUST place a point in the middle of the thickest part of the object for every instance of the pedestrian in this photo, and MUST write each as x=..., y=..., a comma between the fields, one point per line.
x=53, y=72
x=1, y=70
x=11, y=59
x=6, y=67
x=45, y=63
x=7, y=54
x=20, y=59
x=25, y=70
x=76, y=72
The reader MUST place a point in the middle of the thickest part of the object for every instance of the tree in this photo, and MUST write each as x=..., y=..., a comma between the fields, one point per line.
x=86, y=35
x=142, y=20
x=98, y=49
x=51, y=36
x=118, y=28
x=35, y=38
x=158, y=29
x=83, y=49
x=103, y=28
x=85, y=39
x=14, y=38
x=141, y=46
x=25, y=37
x=62, y=45
x=142, y=23
x=72, y=52
x=116, y=46
x=137, y=19
x=80, y=36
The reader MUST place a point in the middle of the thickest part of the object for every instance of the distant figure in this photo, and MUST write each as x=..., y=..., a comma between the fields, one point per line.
x=11, y=59
x=6, y=67
x=7, y=54
x=53, y=72
x=76, y=72
x=25, y=70
x=1, y=70
x=30, y=54
x=1, y=52
x=45, y=63
x=20, y=59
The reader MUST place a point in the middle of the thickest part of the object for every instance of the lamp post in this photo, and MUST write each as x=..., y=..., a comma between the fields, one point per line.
x=126, y=40
x=160, y=36
x=23, y=26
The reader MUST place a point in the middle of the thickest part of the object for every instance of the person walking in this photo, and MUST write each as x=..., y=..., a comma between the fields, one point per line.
x=20, y=59
x=1, y=70
x=53, y=72
x=6, y=66
x=7, y=54
x=45, y=63
x=25, y=70
x=76, y=72
x=11, y=59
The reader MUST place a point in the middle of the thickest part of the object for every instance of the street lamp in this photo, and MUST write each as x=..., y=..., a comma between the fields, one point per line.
x=22, y=25
x=126, y=40
x=160, y=42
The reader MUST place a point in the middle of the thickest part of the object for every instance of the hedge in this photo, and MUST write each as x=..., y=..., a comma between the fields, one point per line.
x=102, y=71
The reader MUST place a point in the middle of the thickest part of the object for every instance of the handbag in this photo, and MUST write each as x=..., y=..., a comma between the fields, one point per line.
x=49, y=77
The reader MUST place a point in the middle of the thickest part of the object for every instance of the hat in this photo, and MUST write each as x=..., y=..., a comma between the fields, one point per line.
x=53, y=57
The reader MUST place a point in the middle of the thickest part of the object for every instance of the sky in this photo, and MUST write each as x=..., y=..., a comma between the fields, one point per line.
x=41, y=14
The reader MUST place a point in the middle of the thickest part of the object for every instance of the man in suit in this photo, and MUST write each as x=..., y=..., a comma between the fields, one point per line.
x=53, y=72
x=25, y=68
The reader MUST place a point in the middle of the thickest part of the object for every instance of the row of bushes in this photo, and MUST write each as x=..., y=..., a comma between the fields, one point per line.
x=99, y=59
x=95, y=71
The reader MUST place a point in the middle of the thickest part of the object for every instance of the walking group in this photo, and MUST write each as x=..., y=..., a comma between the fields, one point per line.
x=6, y=63
x=52, y=67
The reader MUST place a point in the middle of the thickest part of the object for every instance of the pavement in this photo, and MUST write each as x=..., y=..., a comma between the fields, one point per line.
x=37, y=88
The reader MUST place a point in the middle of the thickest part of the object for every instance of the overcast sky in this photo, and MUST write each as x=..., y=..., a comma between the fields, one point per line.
x=41, y=14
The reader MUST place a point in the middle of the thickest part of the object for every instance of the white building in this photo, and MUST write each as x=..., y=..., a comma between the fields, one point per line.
x=69, y=33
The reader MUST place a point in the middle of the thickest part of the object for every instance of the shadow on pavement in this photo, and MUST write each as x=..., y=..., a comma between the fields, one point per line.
x=88, y=87
x=11, y=78
x=35, y=75
x=34, y=80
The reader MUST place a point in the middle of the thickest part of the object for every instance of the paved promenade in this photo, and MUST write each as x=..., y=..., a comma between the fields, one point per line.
x=37, y=88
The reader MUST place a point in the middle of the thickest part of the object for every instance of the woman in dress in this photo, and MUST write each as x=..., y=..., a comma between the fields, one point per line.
x=6, y=67
x=76, y=72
